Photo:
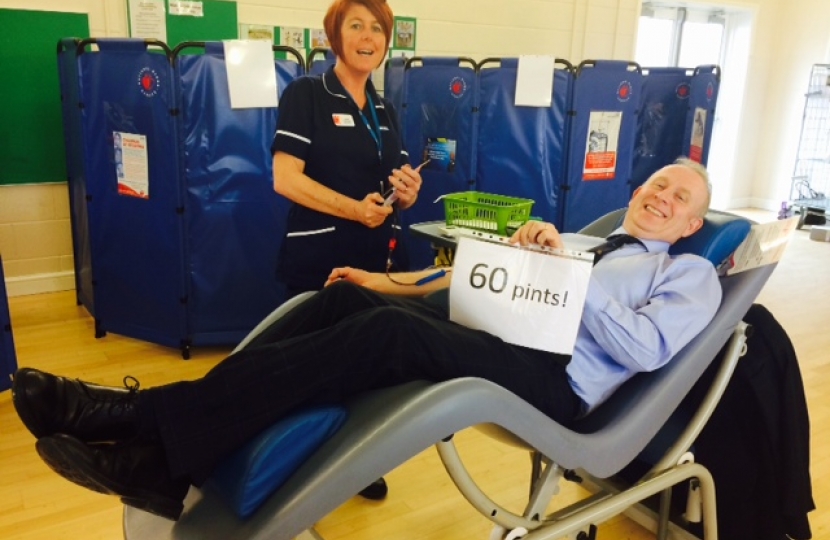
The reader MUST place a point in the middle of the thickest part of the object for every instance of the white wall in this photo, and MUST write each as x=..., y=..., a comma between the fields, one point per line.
x=781, y=85
x=787, y=37
x=571, y=29
x=729, y=113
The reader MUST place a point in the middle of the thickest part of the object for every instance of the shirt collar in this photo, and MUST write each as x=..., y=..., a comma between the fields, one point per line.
x=652, y=246
x=334, y=87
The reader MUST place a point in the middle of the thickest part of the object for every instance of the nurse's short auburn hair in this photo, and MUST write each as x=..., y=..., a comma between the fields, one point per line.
x=333, y=21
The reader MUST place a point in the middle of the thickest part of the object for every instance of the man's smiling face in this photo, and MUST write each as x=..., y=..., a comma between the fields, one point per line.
x=669, y=206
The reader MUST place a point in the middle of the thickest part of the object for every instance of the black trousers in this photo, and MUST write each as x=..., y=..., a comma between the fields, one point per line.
x=342, y=341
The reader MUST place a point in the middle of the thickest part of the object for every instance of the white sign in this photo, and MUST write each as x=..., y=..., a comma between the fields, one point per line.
x=252, y=75
x=534, y=81
x=189, y=8
x=764, y=245
x=526, y=297
x=147, y=19
x=131, y=169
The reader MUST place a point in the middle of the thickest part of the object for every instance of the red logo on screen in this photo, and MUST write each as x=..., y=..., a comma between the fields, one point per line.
x=624, y=91
x=458, y=87
x=710, y=91
x=683, y=91
x=148, y=82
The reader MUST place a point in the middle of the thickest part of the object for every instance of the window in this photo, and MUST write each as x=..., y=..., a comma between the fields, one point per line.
x=701, y=44
x=675, y=34
x=679, y=36
x=654, y=42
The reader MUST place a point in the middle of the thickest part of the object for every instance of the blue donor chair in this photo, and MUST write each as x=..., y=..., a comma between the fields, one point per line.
x=386, y=428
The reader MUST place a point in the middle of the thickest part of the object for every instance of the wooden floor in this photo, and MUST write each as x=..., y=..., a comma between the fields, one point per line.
x=54, y=334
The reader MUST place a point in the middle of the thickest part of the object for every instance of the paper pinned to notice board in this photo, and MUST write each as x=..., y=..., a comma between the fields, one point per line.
x=252, y=74
x=764, y=245
x=147, y=19
x=534, y=81
x=190, y=8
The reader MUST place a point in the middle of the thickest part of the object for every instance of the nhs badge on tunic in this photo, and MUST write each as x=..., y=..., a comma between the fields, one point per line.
x=343, y=120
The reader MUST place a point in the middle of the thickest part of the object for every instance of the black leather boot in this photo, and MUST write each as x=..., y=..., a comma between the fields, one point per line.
x=48, y=404
x=136, y=473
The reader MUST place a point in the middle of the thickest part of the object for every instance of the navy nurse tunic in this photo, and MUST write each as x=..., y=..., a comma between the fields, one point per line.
x=321, y=124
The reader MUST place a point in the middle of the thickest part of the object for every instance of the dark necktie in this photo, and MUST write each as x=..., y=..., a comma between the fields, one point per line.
x=612, y=243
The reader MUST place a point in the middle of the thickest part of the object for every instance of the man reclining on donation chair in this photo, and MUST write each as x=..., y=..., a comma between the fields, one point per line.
x=642, y=307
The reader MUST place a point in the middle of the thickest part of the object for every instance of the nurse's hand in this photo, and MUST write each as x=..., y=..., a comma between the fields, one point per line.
x=370, y=280
x=371, y=212
x=407, y=182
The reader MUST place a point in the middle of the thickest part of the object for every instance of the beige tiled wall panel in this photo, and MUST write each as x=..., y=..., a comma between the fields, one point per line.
x=35, y=231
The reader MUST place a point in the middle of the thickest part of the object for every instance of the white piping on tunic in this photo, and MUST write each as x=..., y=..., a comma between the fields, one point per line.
x=326, y=86
x=378, y=105
x=293, y=135
x=310, y=233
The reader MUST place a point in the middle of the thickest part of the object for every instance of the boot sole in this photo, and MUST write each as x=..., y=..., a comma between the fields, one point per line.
x=67, y=456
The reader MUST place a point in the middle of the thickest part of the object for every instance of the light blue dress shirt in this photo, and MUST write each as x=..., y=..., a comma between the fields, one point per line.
x=641, y=308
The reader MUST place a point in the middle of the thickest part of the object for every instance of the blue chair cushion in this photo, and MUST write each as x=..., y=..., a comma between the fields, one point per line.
x=259, y=468
x=717, y=239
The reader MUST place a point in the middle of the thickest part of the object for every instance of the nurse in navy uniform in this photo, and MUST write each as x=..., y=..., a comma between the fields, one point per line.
x=338, y=152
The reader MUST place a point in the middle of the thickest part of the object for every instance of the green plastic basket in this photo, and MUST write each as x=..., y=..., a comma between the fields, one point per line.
x=486, y=211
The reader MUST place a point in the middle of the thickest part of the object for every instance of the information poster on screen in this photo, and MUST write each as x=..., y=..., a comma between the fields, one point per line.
x=441, y=153
x=698, y=134
x=131, y=168
x=602, y=144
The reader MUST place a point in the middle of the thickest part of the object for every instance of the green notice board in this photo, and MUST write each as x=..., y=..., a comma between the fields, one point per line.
x=217, y=23
x=31, y=128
